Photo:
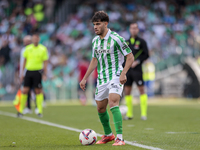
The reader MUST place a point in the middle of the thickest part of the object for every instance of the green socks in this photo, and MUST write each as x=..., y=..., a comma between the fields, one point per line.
x=39, y=102
x=143, y=104
x=23, y=102
x=117, y=118
x=104, y=118
x=129, y=104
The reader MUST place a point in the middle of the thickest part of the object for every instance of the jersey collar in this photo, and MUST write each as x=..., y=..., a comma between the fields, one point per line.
x=107, y=35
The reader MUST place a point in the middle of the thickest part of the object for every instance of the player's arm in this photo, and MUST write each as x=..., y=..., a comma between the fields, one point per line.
x=129, y=62
x=145, y=54
x=23, y=68
x=45, y=63
x=92, y=66
x=45, y=69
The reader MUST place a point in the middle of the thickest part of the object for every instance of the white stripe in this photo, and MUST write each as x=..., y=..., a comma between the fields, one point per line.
x=71, y=129
x=112, y=57
x=106, y=61
x=100, y=61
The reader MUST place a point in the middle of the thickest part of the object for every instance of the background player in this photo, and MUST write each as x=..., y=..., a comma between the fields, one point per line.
x=36, y=57
x=109, y=50
x=140, y=52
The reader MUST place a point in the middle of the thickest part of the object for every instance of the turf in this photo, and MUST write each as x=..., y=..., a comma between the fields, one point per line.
x=173, y=127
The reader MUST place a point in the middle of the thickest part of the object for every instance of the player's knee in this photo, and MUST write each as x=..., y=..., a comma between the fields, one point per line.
x=101, y=109
x=142, y=90
x=38, y=91
x=25, y=90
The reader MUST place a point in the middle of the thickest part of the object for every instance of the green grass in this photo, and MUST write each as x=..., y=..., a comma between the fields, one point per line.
x=182, y=119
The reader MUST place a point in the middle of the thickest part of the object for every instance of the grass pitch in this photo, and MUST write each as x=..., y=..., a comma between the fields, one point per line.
x=170, y=126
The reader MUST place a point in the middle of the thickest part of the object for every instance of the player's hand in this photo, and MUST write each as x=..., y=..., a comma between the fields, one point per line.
x=134, y=64
x=122, y=78
x=82, y=84
x=21, y=79
x=44, y=77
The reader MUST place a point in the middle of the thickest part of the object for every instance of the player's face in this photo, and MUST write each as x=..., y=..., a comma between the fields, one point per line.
x=134, y=29
x=99, y=27
x=35, y=39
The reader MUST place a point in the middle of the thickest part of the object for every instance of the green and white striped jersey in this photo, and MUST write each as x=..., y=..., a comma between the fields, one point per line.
x=110, y=52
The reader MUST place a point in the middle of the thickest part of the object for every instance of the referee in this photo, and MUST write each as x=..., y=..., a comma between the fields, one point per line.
x=140, y=52
x=26, y=41
x=35, y=63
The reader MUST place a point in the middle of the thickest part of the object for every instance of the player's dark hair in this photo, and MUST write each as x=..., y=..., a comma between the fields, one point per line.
x=100, y=16
x=36, y=34
x=133, y=22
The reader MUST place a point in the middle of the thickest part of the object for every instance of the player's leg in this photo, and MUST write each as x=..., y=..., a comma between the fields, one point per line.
x=143, y=96
x=104, y=118
x=115, y=92
x=24, y=94
x=128, y=96
x=38, y=91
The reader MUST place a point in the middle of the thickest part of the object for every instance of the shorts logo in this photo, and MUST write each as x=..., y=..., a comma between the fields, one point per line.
x=140, y=82
x=114, y=86
x=96, y=92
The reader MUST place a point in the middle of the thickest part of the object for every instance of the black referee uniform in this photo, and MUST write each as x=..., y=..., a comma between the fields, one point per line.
x=140, y=52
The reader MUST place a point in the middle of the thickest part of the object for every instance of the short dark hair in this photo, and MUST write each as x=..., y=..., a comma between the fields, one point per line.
x=100, y=16
x=133, y=22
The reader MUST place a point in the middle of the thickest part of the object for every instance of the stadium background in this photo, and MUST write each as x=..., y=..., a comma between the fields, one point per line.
x=171, y=29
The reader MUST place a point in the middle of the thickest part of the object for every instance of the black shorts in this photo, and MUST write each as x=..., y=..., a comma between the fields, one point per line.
x=134, y=76
x=33, y=79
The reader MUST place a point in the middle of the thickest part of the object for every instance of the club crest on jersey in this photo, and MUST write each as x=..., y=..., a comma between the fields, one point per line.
x=137, y=44
x=106, y=51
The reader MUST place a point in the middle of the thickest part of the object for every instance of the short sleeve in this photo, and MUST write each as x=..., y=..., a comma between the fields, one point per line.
x=123, y=47
x=93, y=49
x=45, y=55
x=24, y=54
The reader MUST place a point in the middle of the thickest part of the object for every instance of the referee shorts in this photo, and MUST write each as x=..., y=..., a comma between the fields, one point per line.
x=134, y=76
x=33, y=79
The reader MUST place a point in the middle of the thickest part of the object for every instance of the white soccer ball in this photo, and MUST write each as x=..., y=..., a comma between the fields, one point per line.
x=88, y=137
x=123, y=109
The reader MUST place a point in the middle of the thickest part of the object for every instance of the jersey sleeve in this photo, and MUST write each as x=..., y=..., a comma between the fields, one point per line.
x=93, y=49
x=123, y=47
x=24, y=54
x=45, y=55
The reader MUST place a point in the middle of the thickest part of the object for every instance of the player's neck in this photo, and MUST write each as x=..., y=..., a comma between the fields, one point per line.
x=133, y=36
x=104, y=33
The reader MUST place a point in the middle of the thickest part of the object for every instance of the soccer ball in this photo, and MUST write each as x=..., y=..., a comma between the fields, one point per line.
x=88, y=137
x=123, y=109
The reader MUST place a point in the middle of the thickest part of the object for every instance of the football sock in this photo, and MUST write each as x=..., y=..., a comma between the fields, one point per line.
x=39, y=102
x=23, y=102
x=117, y=118
x=119, y=136
x=129, y=104
x=104, y=118
x=143, y=104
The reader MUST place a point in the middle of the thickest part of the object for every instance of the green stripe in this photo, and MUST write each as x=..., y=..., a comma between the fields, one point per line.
x=138, y=54
x=128, y=50
x=109, y=59
x=116, y=57
x=117, y=35
x=103, y=63
x=98, y=65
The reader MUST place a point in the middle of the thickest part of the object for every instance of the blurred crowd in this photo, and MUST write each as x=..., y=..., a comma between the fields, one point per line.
x=169, y=27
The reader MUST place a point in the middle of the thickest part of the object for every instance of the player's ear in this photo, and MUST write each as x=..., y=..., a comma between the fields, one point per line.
x=106, y=24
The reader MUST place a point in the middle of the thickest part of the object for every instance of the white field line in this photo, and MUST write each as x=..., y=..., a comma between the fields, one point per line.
x=71, y=129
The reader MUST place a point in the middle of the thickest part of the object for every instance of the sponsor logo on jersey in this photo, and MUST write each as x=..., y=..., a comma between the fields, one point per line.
x=106, y=51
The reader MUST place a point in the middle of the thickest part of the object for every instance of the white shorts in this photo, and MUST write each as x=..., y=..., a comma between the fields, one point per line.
x=113, y=86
